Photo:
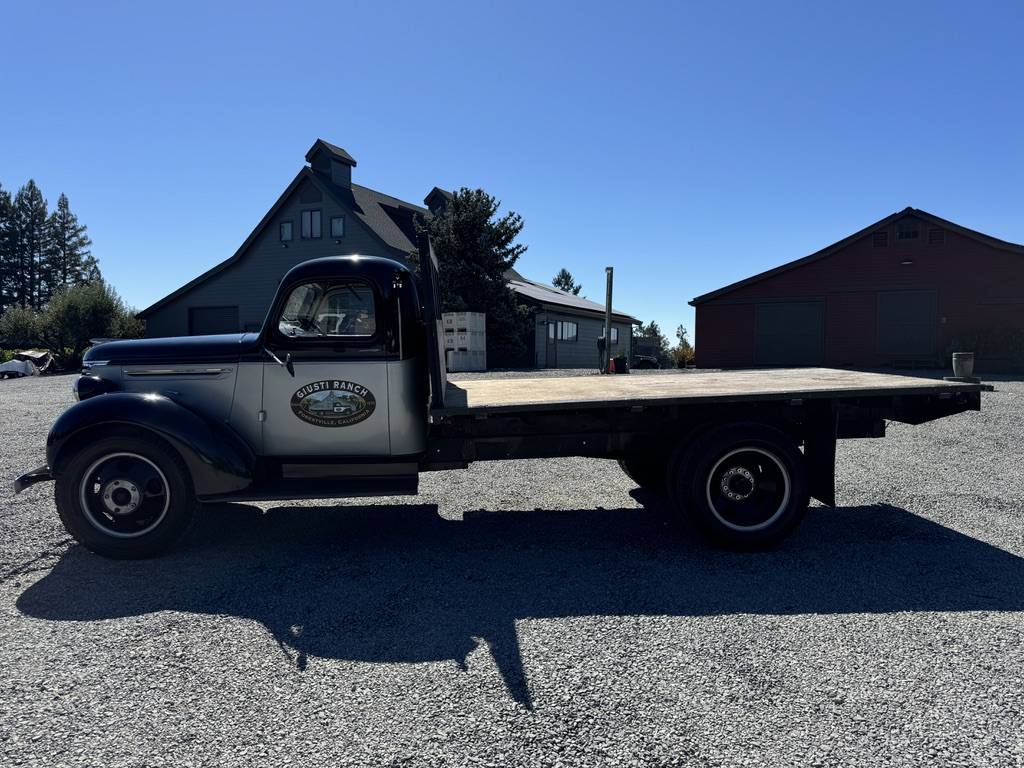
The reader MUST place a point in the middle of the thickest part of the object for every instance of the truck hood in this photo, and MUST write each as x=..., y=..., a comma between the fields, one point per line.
x=227, y=347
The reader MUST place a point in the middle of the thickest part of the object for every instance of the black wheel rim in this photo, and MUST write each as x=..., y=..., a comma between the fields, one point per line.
x=124, y=495
x=748, y=489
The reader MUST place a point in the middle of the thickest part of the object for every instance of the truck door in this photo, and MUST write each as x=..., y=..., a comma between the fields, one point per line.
x=325, y=382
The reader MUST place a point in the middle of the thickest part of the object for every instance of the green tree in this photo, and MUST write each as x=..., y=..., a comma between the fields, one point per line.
x=70, y=261
x=682, y=353
x=79, y=313
x=475, y=248
x=31, y=246
x=20, y=327
x=8, y=267
x=564, y=281
x=651, y=332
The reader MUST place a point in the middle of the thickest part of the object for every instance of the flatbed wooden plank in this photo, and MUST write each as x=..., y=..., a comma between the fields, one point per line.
x=554, y=393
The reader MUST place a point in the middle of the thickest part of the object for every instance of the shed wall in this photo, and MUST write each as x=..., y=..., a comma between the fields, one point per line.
x=977, y=286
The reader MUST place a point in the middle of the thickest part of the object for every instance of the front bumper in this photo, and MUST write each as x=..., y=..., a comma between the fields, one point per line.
x=40, y=475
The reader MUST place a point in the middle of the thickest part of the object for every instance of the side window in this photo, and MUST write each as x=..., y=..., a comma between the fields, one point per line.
x=316, y=310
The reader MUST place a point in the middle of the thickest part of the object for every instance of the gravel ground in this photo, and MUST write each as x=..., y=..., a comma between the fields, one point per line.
x=530, y=613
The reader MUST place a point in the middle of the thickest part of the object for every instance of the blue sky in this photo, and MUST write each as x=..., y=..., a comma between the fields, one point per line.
x=687, y=144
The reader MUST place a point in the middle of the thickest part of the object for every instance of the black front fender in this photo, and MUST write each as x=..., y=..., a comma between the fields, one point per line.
x=218, y=460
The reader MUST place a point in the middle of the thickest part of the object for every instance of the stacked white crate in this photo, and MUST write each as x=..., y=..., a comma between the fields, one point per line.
x=465, y=341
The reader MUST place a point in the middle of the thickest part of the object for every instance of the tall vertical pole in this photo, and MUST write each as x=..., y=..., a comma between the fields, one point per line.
x=607, y=320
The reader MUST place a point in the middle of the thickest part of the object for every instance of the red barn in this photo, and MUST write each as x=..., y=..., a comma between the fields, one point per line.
x=898, y=292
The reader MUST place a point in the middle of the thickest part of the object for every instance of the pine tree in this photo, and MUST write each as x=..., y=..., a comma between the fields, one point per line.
x=70, y=261
x=32, y=248
x=7, y=267
x=475, y=248
x=564, y=281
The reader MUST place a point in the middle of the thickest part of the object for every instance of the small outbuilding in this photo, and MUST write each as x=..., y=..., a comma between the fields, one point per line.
x=900, y=292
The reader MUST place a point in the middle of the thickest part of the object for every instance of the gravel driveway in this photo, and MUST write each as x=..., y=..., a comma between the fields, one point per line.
x=530, y=613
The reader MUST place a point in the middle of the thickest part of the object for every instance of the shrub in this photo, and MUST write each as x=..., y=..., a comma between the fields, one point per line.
x=995, y=349
x=20, y=328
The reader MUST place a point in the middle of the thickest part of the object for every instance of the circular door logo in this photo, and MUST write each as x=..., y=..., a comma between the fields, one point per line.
x=333, y=403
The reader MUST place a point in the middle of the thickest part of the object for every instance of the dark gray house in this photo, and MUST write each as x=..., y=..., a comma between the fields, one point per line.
x=323, y=212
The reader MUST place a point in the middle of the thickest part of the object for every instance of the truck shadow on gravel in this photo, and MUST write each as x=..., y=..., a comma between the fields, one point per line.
x=402, y=584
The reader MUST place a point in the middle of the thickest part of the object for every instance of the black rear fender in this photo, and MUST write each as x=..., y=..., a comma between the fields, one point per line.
x=219, y=461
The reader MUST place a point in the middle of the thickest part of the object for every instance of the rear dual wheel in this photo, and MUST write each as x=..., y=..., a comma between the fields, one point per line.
x=744, y=486
x=125, y=497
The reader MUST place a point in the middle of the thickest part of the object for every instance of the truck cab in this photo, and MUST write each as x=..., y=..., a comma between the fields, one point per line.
x=329, y=398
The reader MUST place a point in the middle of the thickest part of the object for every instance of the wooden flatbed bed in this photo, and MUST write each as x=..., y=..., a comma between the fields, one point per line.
x=504, y=395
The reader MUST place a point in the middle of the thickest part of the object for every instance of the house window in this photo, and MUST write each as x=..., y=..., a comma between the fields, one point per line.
x=337, y=227
x=286, y=231
x=563, y=330
x=936, y=236
x=615, y=335
x=906, y=234
x=311, y=225
x=881, y=239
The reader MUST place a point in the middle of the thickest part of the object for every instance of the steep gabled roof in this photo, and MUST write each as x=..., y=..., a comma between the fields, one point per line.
x=387, y=218
x=549, y=296
x=829, y=250
x=237, y=254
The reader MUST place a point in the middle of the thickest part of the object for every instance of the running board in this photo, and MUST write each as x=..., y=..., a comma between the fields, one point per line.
x=323, y=488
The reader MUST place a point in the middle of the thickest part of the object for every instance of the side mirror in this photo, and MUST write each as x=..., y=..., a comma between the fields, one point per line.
x=286, y=363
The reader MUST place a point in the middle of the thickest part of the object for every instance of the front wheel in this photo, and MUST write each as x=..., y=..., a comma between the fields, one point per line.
x=125, y=497
x=744, y=486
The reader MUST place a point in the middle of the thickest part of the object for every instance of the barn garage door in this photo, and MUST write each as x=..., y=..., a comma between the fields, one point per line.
x=907, y=321
x=206, y=320
x=789, y=333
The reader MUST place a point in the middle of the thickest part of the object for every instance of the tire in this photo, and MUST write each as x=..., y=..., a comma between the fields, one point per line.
x=743, y=486
x=647, y=471
x=139, y=502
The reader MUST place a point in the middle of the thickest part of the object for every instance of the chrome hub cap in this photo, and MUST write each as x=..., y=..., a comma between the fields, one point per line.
x=121, y=496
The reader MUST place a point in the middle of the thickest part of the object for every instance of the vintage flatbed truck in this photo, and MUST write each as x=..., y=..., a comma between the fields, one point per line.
x=343, y=393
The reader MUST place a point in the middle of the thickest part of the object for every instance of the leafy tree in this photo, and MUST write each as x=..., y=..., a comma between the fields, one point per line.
x=31, y=243
x=475, y=247
x=70, y=262
x=683, y=352
x=656, y=339
x=127, y=324
x=20, y=328
x=564, y=281
x=79, y=313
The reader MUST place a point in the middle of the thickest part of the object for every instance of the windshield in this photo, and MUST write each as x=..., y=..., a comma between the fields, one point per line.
x=314, y=310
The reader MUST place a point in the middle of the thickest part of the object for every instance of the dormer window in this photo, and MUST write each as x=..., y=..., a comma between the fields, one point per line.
x=311, y=228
